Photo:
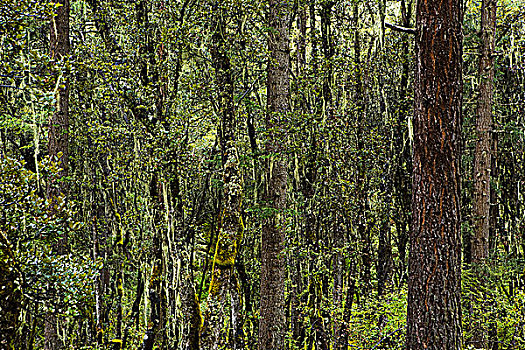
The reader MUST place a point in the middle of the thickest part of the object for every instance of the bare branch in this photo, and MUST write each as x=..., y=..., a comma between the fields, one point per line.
x=400, y=29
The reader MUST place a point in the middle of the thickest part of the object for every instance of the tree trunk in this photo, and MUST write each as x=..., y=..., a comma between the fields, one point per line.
x=434, y=282
x=10, y=295
x=58, y=140
x=482, y=157
x=363, y=228
x=191, y=311
x=482, y=160
x=403, y=162
x=59, y=120
x=156, y=332
x=223, y=285
x=271, y=322
x=384, y=256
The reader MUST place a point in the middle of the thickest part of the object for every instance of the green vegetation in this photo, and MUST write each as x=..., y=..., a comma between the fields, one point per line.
x=131, y=217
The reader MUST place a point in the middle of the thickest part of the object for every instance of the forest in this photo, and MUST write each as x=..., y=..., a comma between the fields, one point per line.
x=276, y=174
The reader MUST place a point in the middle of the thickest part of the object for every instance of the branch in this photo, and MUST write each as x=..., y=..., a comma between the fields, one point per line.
x=400, y=29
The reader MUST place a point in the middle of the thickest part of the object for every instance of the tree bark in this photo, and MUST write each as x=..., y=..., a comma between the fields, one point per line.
x=434, y=283
x=482, y=161
x=10, y=295
x=223, y=282
x=59, y=120
x=482, y=157
x=272, y=318
x=58, y=139
x=156, y=332
x=384, y=260
x=192, y=314
x=362, y=225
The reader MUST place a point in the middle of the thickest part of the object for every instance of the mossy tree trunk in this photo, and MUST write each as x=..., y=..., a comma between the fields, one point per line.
x=361, y=177
x=272, y=311
x=224, y=289
x=401, y=145
x=59, y=119
x=192, y=314
x=10, y=295
x=58, y=140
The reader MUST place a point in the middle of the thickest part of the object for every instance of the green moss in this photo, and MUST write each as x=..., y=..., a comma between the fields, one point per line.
x=198, y=320
x=119, y=287
x=155, y=274
x=215, y=284
x=225, y=251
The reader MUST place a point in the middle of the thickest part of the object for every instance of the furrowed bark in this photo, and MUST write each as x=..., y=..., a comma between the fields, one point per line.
x=434, y=282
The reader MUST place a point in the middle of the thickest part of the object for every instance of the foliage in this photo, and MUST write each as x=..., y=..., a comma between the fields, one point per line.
x=146, y=178
x=492, y=302
x=380, y=324
x=30, y=230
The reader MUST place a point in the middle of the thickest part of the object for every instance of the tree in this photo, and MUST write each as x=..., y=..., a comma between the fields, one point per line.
x=223, y=281
x=434, y=283
x=161, y=169
x=58, y=134
x=59, y=120
x=482, y=156
x=481, y=196
x=271, y=322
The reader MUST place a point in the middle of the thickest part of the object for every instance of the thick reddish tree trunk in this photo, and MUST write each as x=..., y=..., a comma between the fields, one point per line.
x=434, y=282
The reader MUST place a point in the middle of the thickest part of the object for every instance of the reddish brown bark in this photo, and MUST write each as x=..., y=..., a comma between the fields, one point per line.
x=434, y=283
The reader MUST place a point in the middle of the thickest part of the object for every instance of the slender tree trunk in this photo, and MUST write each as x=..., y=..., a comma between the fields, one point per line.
x=363, y=228
x=191, y=312
x=384, y=259
x=224, y=289
x=271, y=322
x=384, y=249
x=347, y=310
x=10, y=295
x=156, y=331
x=494, y=205
x=296, y=324
x=402, y=199
x=482, y=157
x=58, y=139
x=434, y=282
x=328, y=52
x=482, y=160
x=59, y=120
